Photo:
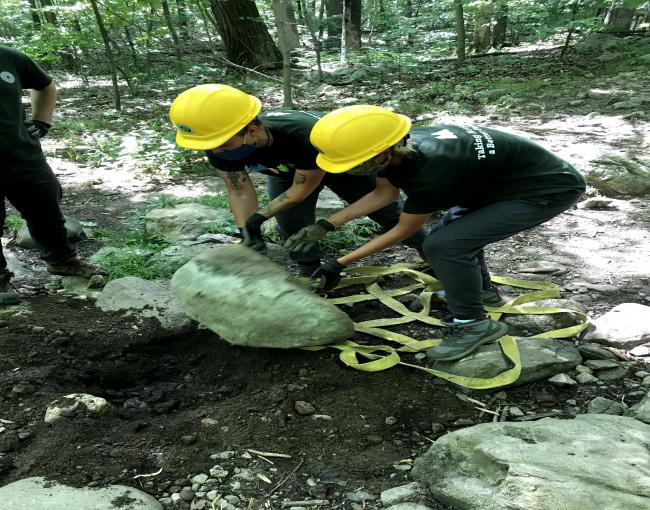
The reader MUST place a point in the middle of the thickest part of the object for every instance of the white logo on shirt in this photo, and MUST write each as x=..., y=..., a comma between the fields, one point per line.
x=445, y=134
x=277, y=114
x=7, y=76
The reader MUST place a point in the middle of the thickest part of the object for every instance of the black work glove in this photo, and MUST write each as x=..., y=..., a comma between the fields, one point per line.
x=308, y=237
x=252, y=232
x=327, y=276
x=37, y=129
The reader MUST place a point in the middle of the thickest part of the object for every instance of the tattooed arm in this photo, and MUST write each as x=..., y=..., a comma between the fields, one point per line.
x=241, y=195
x=304, y=182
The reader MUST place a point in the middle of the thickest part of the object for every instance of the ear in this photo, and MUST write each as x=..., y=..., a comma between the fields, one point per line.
x=253, y=129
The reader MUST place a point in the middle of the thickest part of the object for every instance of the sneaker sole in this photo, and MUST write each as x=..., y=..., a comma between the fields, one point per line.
x=487, y=340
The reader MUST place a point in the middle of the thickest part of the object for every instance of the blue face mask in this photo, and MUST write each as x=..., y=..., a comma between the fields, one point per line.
x=242, y=152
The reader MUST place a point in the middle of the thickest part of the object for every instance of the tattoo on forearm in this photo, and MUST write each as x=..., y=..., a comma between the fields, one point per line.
x=237, y=179
x=278, y=204
x=299, y=178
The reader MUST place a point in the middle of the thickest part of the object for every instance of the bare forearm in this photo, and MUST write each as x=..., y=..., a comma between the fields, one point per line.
x=282, y=202
x=304, y=183
x=362, y=207
x=242, y=206
x=43, y=102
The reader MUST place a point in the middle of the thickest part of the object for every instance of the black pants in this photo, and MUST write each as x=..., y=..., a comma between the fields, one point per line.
x=455, y=250
x=349, y=188
x=33, y=189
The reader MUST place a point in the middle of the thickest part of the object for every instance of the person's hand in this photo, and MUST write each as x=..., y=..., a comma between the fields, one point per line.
x=308, y=237
x=252, y=232
x=327, y=276
x=37, y=129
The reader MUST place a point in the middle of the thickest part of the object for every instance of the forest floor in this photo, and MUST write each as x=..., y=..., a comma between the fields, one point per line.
x=184, y=399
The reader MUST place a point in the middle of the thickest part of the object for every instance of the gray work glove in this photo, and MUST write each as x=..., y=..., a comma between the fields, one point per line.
x=308, y=237
x=37, y=129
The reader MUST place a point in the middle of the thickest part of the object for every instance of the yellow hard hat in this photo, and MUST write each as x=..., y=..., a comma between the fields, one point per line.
x=207, y=116
x=348, y=136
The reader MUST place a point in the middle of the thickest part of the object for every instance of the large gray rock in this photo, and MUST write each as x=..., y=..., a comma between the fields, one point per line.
x=37, y=492
x=185, y=222
x=24, y=238
x=145, y=298
x=249, y=300
x=615, y=175
x=624, y=326
x=69, y=405
x=541, y=358
x=594, y=461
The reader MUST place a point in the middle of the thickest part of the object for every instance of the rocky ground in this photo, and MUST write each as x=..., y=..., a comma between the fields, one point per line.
x=198, y=423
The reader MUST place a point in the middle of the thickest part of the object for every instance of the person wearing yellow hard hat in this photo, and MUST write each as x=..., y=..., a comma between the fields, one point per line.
x=227, y=124
x=495, y=184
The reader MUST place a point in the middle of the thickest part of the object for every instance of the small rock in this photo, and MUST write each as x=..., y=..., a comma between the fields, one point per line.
x=223, y=455
x=189, y=439
x=601, y=405
x=186, y=494
x=562, y=380
x=200, y=478
x=304, y=408
x=437, y=428
x=359, y=496
x=585, y=378
x=515, y=411
x=391, y=420
x=601, y=364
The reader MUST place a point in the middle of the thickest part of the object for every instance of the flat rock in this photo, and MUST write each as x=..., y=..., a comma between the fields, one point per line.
x=641, y=411
x=184, y=221
x=541, y=358
x=145, y=298
x=602, y=405
x=33, y=493
x=624, y=327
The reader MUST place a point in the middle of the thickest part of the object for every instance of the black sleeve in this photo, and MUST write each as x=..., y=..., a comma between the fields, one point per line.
x=31, y=74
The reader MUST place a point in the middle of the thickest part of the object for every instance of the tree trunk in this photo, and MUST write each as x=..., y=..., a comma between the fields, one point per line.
x=460, y=31
x=285, y=20
x=33, y=11
x=500, y=24
x=352, y=24
x=172, y=31
x=48, y=13
x=619, y=16
x=309, y=21
x=482, y=27
x=245, y=35
x=109, y=54
x=181, y=8
x=334, y=10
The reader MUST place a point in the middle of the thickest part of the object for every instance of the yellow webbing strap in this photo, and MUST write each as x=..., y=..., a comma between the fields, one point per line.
x=381, y=357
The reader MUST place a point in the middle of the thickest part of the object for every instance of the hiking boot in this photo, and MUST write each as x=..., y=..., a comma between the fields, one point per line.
x=76, y=267
x=492, y=297
x=5, y=278
x=8, y=295
x=464, y=338
x=307, y=269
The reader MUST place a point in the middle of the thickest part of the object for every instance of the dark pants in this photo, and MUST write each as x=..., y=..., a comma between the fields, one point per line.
x=349, y=188
x=33, y=189
x=455, y=250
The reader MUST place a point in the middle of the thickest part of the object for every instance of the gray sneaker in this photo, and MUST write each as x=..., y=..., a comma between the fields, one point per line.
x=463, y=339
x=76, y=267
x=492, y=297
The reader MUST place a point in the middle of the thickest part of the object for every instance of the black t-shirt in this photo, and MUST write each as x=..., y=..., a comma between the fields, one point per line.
x=290, y=150
x=17, y=72
x=473, y=166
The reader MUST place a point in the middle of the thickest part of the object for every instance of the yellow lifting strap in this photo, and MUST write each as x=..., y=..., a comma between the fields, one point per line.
x=381, y=357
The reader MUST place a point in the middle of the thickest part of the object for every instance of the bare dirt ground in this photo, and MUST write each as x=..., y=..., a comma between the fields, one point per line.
x=180, y=400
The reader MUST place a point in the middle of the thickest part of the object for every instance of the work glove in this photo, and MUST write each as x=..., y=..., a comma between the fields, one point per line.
x=308, y=237
x=327, y=276
x=37, y=129
x=252, y=232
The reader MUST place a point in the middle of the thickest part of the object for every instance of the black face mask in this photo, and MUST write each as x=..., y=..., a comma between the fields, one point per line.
x=369, y=167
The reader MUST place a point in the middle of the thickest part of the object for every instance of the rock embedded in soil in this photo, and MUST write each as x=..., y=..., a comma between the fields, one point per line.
x=624, y=327
x=68, y=406
x=602, y=405
x=38, y=493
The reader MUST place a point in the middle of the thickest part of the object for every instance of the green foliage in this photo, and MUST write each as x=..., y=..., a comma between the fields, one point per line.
x=350, y=236
x=13, y=222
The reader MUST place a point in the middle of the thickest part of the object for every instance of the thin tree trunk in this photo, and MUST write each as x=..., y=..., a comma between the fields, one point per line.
x=334, y=10
x=315, y=40
x=172, y=31
x=109, y=54
x=352, y=24
x=33, y=11
x=181, y=8
x=460, y=31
